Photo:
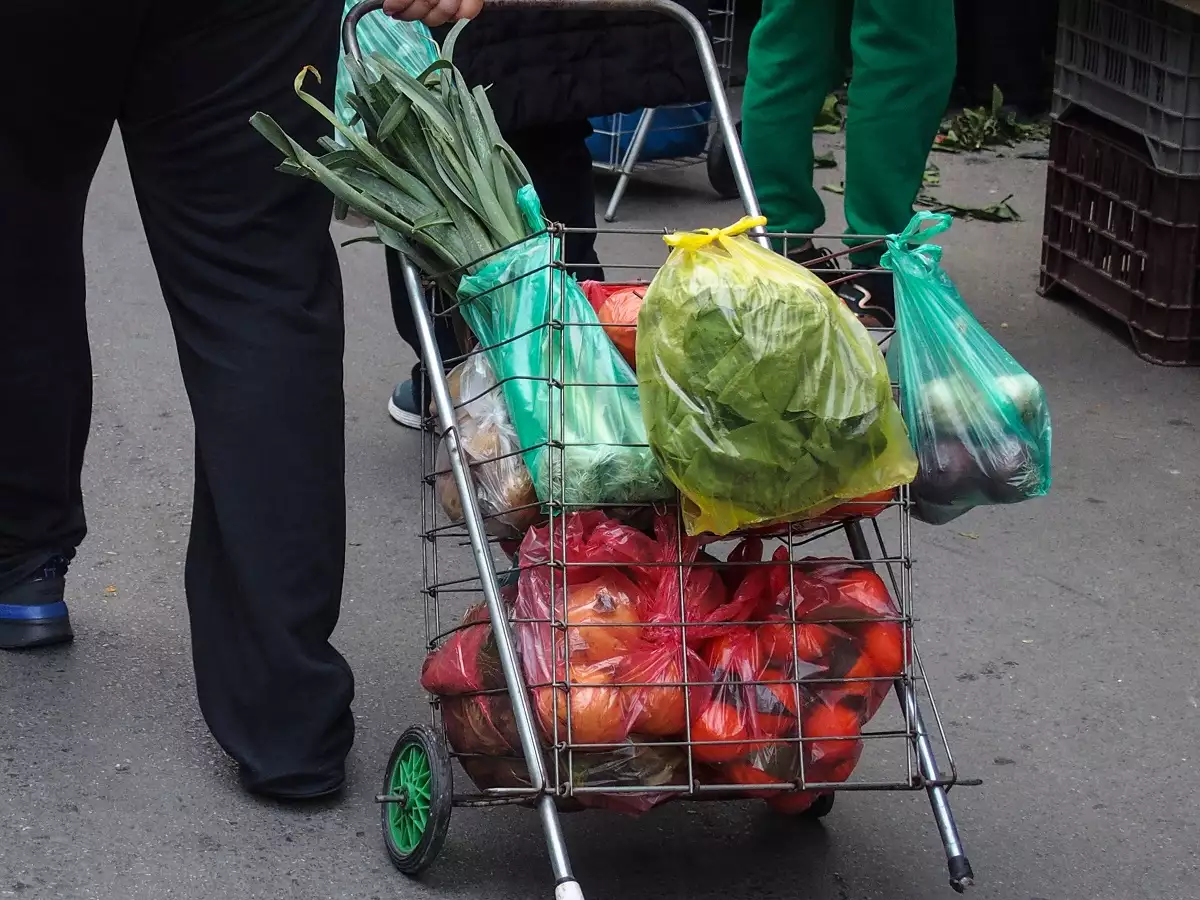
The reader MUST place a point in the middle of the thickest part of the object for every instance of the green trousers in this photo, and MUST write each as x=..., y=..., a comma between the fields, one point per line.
x=901, y=54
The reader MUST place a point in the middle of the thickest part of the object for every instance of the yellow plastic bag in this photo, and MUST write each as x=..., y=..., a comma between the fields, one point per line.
x=764, y=398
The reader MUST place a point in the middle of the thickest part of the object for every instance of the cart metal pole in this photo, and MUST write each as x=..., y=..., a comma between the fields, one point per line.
x=708, y=65
x=961, y=875
x=566, y=887
x=629, y=162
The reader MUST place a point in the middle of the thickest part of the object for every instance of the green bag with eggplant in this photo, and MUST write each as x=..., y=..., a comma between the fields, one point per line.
x=978, y=421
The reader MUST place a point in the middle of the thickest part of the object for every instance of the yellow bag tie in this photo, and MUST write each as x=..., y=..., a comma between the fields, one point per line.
x=694, y=240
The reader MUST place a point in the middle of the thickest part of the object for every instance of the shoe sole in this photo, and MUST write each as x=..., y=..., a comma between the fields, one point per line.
x=404, y=417
x=28, y=635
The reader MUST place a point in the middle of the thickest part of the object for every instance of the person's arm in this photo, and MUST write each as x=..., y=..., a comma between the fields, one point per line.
x=432, y=12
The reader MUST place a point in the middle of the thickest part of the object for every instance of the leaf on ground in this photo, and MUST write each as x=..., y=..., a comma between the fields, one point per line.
x=994, y=212
x=824, y=161
x=830, y=119
x=111, y=589
x=932, y=176
x=834, y=188
x=982, y=127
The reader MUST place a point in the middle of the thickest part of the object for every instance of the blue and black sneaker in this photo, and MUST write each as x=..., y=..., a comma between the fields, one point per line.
x=33, y=612
x=403, y=406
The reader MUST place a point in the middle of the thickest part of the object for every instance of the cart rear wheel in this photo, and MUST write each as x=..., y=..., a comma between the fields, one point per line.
x=720, y=171
x=418, y=789
x=821, y=807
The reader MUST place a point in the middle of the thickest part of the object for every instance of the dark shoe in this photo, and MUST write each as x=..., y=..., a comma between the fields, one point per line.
x=870, y=295
x=33, y=613
x=295, y=790
x=404, y=408
x=813, y=257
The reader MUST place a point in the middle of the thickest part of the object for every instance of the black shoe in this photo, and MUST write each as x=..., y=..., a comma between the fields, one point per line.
x=33, y=613
x=869, y=295
x=813, y=257
x=872, y=297
x=404, y=407
x=298, y=794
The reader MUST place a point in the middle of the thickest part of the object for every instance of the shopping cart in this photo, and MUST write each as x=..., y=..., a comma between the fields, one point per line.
x=672, y=137
x=536, y=755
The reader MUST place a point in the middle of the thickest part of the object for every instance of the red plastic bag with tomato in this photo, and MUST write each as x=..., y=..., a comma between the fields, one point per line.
x=617, y=307
x=467, y=661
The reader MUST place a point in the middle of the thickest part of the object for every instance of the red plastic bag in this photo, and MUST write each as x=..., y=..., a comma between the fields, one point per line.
x=467, y=662
x=590, y=710
x=617, y=307
x=755, y=704
x=481, y=724
x=660, y=693
x=831, y=589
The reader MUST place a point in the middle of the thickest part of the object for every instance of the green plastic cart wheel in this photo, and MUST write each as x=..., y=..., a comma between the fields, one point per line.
x=418, y=792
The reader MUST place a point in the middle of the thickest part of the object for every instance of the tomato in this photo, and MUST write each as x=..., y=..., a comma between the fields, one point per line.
x=735, y=652
x=619, y=315
x=812, y=642
x=602, y=619
x=862, y=669
x=662, y=711
x=719, y=722
x=744, y=773
x=883, y=642
x=776, y=710
x=825, y=723
x=863, y=594
x=866, y=507
x=598, y=714
x=835, y=771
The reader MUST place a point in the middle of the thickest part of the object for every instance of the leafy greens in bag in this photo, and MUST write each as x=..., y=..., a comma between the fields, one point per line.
x=583, y=436
x=764, y=398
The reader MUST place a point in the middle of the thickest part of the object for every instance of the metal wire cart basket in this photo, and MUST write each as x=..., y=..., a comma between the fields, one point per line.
x=533, y=573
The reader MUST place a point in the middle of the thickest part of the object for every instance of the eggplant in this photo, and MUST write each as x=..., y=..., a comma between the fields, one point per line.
x=948, y=475
x=1011, y=471
x=932, y=514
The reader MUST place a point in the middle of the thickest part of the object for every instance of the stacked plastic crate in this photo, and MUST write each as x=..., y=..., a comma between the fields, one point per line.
x=1122, y=228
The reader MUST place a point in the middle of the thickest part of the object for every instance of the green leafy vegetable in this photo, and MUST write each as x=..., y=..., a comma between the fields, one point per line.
x=975, y=129
x=763, y=396
x=423, y=161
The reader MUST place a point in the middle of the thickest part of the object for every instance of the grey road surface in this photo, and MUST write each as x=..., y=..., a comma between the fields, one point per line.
x=1061, y=636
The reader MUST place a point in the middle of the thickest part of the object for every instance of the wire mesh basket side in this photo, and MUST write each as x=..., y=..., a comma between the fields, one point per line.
x=571, y=682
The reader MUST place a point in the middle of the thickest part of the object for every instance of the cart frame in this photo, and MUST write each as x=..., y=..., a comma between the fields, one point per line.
x=566, y=886
x=626, y=165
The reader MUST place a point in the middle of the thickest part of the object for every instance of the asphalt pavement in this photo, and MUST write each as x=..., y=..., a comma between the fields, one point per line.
x=1059, y=635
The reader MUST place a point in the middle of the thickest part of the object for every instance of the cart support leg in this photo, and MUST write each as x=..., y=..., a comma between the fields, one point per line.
x=629, y=162
x=566, y=886
x=961, y=876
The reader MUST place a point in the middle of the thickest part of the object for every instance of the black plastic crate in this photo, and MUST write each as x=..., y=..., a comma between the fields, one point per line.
x=1136, y=62
x=1124, y=236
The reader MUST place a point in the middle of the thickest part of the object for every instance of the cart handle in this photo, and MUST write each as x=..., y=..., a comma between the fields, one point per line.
x=708, y=64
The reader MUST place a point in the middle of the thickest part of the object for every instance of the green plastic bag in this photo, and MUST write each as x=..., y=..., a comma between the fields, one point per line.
x=764, y=397
x=572, y=399
x=408, y=43
x=979, y=422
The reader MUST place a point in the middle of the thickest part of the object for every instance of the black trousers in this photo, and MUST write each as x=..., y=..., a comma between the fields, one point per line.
x=560, y=165
x=251, y=280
